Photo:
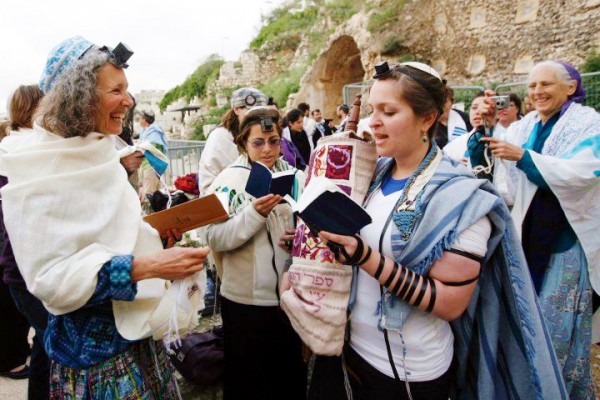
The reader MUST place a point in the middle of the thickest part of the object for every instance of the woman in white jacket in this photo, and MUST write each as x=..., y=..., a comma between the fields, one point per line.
x=260, y=346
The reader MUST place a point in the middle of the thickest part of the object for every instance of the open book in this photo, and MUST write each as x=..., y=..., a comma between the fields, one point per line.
x=324, y=206
x=262, y=181
x=189, y=215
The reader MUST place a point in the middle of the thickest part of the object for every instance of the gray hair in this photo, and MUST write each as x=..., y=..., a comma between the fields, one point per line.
x=562, y=75
x=69, y=109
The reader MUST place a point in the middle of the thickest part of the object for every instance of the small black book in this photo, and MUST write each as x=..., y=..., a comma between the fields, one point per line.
x=324, y=206
x=262, y=181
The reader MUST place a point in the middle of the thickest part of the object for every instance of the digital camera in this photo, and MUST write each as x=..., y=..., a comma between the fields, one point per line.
x=502, y=102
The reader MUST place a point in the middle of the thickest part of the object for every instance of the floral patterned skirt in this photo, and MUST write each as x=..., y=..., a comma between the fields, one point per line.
x=566, y=302
x=142, y=372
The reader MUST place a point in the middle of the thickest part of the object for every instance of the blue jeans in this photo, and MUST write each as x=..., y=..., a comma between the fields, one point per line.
x=36, y=314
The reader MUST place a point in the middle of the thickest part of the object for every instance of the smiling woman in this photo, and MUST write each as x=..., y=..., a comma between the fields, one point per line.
x=550, y=156
x=431, y=270
x=114, y=99
x=96, y=266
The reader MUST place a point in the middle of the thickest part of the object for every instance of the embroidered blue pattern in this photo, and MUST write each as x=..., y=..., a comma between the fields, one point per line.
x=88, y=336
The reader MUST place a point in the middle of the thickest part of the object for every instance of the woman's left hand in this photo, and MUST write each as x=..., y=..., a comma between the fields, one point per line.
x=171, y=237
x=504, y=150
x=349, y=242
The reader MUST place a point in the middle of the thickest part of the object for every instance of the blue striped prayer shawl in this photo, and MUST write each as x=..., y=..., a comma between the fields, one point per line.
x=502, y=347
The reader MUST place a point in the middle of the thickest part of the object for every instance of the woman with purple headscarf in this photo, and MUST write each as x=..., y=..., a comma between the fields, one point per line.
x=551, y=159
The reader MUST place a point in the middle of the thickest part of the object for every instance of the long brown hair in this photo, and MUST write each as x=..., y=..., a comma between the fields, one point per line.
x=22, y=106
x=231, y=122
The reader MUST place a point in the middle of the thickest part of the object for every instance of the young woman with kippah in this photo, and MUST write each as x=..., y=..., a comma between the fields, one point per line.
x=433, y=271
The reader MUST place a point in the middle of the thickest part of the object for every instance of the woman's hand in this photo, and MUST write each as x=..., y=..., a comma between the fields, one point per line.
x=132, y=162
x=286, y=241
x=504, y=150
x=171, y=237
x=487, y=109
x=285, y=284
x=350, y=243
x=170, y=264
x=266, y=204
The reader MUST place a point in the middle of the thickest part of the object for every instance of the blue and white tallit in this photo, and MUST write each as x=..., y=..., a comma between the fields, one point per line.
x=570, y=165
x=502, y=347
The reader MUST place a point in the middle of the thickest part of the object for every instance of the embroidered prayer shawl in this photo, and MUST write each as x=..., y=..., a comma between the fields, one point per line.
x=570, y=165
x=501, y=343
x=69, y=208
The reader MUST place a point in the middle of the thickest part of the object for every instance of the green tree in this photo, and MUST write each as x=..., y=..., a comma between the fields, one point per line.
x=195, y=84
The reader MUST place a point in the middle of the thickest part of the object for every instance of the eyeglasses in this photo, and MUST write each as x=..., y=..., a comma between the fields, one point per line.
x=259, y=143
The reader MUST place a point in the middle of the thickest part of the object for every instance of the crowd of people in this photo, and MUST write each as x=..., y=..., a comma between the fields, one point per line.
x=475, y=278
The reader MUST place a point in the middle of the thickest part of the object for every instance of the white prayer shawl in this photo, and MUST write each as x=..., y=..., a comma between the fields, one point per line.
x=455, y=121
x=457, y=148
x=141, y=147
x=570, y=165
x=68, y=209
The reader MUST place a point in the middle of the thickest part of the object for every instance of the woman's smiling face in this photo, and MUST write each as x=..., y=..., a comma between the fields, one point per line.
x=546, y=92
x=114, y=99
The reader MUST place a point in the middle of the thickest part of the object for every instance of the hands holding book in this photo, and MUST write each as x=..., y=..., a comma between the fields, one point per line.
x=264, y=205
x=349, y=243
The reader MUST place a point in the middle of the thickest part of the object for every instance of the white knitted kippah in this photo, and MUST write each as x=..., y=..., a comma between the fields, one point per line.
x=423, y=67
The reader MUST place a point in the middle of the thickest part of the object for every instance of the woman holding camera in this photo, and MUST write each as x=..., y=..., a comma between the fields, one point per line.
x=433, y=270
x=262, y=351
x=551, y=157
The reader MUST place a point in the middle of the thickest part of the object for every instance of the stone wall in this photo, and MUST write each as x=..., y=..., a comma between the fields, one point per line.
x=250, y=70
x=499, y=41
x=468, y=41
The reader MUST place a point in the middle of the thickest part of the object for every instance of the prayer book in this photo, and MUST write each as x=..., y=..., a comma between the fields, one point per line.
x=324, y=206
x=262, y=181
x=190, y=215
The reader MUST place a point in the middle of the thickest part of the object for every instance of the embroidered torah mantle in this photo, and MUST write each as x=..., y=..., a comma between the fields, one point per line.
x=318, y=300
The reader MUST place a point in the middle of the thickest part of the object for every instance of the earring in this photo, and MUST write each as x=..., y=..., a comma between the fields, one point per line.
x=424, y=138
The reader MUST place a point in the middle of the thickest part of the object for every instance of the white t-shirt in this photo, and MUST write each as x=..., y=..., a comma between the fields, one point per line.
x=428, y=340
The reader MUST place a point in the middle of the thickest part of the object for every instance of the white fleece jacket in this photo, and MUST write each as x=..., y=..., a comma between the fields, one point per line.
x=244, y=247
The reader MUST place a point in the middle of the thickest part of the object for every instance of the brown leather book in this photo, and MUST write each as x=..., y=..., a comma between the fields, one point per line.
x=189, y=215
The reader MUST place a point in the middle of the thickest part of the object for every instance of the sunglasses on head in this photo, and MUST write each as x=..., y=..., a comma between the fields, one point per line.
x=259, y=143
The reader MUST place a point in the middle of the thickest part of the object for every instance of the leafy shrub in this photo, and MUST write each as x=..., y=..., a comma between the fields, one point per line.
x=285, y=22
x=385, y=16
x=341, y=10
x=283, y=85
x=591, y=63
x=392, y=45
x=196, y=83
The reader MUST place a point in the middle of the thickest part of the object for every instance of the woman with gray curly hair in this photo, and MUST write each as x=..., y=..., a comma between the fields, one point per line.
x=78, y=237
